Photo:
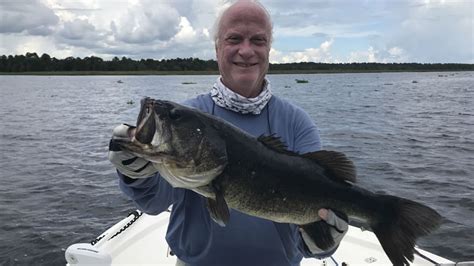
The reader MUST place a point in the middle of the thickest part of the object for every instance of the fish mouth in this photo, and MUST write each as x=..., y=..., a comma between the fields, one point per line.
x=146, y=151
x=151, y=121
x=146, y=125
x=150, y=139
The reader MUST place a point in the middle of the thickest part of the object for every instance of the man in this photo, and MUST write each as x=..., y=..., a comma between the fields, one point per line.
x=242, y=96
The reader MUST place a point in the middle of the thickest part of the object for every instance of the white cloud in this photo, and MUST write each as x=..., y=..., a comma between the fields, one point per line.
x=275, y=56
x=395, y=51
x=186, y=32
x=363, y=56
x=320, y=54
x=146, y=22
x=372, y=55
x=29, y=44
x=396, y=55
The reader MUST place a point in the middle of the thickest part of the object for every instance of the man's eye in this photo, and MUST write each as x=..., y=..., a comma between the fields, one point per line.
x=259, y=41
x=233, y=39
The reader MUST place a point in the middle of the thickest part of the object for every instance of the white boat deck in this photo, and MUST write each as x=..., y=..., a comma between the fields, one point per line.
x=143, y=243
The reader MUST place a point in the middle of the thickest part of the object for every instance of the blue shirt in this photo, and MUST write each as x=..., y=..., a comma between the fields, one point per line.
x=246, y=240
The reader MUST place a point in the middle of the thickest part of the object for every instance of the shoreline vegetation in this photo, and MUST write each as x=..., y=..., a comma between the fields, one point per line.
x=32, y=64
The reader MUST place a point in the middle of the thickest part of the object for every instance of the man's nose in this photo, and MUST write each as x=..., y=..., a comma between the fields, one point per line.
x=246, y=49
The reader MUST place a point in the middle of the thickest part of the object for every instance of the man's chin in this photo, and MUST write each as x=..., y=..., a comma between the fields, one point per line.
x=245, y=85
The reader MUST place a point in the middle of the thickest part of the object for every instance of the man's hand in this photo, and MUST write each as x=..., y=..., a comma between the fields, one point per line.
x=126, y=163
x=338, y=229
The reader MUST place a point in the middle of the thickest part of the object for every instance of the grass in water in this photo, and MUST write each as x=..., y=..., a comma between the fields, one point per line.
x=301, y=81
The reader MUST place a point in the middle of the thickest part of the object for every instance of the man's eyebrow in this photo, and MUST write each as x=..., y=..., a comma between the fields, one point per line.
x=229, y=33
x=259, y=35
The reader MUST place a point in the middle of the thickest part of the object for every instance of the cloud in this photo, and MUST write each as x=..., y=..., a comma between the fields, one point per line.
x=29, y=43
x=145, y=22
x=440, y=31
x=76, y=29
x=186, y=33
x=422, y=31
x=320, y=54
x=319, y=30
x=371, y=55
x=81, y=33
x=31, y=17
x=137, y=29
x=395, y=51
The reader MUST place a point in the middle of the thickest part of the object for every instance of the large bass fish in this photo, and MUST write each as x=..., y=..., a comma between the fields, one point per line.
x=260, y=177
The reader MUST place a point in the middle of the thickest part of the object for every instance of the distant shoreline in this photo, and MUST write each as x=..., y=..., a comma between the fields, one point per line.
x=32, y=64
x=191, y=73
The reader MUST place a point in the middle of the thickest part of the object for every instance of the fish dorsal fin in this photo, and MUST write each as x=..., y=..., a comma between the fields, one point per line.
x=275, y=143
x=341, y=168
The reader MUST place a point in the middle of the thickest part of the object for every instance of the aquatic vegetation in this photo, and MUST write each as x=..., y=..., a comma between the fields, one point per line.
x=301, y=81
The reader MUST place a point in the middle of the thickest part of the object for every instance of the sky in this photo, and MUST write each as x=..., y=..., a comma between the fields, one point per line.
x=328, y=31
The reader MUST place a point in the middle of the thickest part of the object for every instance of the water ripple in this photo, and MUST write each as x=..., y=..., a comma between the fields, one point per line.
x=411, y=140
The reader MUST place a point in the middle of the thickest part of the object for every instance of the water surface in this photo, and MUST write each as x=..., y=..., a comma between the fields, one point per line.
x=409, y=134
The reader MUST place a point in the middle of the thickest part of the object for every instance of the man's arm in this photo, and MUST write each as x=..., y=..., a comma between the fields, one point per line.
x=152, y=195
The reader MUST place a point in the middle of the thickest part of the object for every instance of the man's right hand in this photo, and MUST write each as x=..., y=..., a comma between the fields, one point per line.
x=126, y=163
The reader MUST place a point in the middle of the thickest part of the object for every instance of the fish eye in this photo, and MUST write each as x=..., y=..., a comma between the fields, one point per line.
x=174, y=114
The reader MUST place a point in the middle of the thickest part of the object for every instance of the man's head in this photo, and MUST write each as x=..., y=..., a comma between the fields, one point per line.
x=243, y=37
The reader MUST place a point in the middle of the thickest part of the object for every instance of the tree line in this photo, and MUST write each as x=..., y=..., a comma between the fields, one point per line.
x=31, y=62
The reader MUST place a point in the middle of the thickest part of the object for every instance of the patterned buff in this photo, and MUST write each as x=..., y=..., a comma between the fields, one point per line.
x=230, y=100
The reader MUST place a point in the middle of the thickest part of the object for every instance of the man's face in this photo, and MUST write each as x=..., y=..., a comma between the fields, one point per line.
x=243, y=49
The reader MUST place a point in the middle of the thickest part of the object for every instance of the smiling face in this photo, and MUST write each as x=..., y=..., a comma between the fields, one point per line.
x=243, y=47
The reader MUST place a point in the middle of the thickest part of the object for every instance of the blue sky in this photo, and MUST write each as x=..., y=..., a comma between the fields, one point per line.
x=336, y=31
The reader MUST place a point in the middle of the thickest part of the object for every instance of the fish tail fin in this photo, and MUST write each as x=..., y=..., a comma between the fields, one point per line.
x=401, y=222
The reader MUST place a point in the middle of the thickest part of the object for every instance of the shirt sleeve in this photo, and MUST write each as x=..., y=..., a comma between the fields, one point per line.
x=306, y=133
x=151, y=195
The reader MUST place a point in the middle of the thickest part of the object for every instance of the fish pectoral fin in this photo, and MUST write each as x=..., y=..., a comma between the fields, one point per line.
x=320, y=234
x=217, y=207
x=340, y=167
x=218, y=210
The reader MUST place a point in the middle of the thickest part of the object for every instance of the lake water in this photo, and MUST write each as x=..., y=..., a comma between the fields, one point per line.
x=409, y=134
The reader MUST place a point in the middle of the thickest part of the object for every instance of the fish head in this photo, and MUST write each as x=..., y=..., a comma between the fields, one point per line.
x=183, y=142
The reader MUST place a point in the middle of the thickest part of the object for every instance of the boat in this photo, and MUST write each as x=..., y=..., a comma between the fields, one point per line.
x=139, y=239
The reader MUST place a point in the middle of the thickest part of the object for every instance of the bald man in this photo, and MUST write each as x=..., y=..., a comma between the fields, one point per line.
x=242, y=96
